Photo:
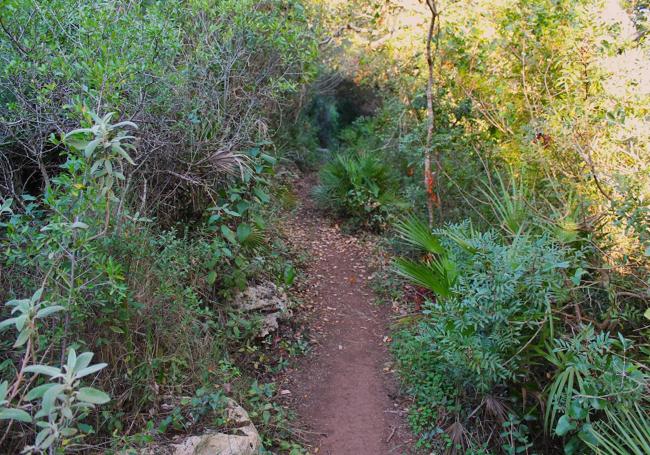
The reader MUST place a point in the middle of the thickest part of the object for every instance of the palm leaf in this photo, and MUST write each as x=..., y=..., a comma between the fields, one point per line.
x=416, y=233
x=426, y=274
x=508, y=202
x=623, y=432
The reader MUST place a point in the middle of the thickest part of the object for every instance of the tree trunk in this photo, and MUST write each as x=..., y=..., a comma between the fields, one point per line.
x=429, y=175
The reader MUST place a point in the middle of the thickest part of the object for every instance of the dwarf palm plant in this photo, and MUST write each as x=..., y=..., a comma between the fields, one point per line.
x=360, y=187
x=508, y=202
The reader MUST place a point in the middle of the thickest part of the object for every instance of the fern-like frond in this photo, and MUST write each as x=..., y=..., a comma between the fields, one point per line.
x=255, y=239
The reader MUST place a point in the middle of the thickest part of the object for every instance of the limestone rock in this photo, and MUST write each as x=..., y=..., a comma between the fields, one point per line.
x=243, y=439
x=269, y=300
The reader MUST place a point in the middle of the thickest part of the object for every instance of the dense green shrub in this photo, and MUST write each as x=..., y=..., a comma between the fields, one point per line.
x=499, y=301
x=361, y=188
x=501, y=298
x=203, y=79
x=151, y=304
x=493, y=322
x=137, y=251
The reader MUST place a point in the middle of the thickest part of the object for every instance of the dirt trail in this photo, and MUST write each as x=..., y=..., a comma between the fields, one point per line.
x=344, y=390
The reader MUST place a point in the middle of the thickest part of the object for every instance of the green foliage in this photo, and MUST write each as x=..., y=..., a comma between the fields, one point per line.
x=417, y=234
x=191, y=74
x=474, y=336
x=593, y=376
x=500, y=300
x=489, y=327
x=361, y=188
x=516, y=435
x=28, y=311
x=105, y=146
x=432, y=392
x=508, y=202
x=11, y=413
x=240, y=245
x=61, y=240
x=437, y=275
x=625, y=431
x=63, y=401
x=437, y=272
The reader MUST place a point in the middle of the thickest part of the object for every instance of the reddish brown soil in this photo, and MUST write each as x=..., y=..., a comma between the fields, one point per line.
x=344, y=391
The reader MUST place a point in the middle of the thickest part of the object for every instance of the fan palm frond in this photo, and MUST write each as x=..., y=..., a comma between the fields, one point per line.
x=437, y=275
x=416, y=233
x=623, y=432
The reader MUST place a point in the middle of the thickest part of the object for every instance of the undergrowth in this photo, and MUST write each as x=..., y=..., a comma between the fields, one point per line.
x=153, y=305
x=361, y=189
x=494, y=362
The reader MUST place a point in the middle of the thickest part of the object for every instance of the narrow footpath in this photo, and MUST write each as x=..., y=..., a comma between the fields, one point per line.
x=344, y=391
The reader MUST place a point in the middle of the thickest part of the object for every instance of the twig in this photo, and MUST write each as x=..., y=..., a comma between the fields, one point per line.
x=15, y=42
x=392, y=433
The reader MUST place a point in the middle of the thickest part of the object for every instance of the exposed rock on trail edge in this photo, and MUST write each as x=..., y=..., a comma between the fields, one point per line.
x=242, y=440
x=266, y=299
x=344, y=389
